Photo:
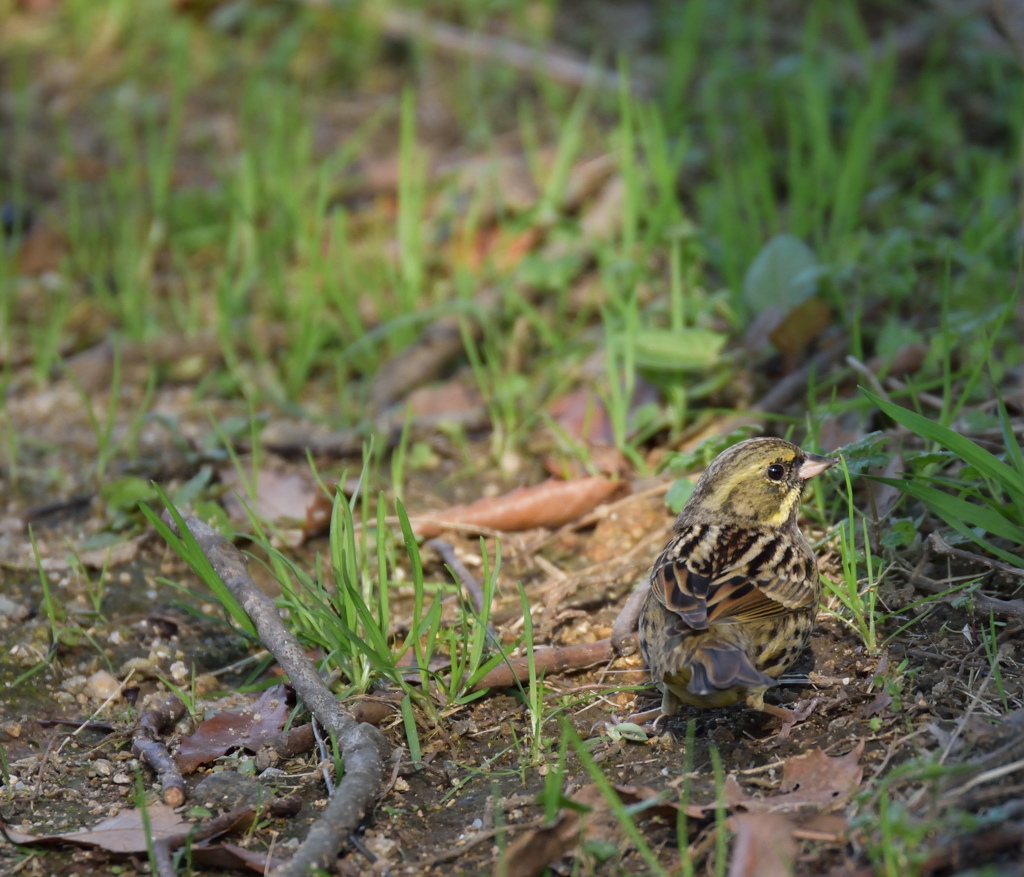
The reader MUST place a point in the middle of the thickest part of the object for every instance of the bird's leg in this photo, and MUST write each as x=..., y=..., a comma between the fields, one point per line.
x=790, y=718
x=669, y=707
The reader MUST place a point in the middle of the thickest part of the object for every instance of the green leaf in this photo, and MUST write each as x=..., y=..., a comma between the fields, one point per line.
x=986, y=463
x=678, y=494
x=784, y=274
x=188, y=494
x=899, y=534
x=126, y=493
x=680, y=350
x=187, y=548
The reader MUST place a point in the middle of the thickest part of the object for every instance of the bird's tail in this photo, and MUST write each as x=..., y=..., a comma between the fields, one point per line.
x=718, y=662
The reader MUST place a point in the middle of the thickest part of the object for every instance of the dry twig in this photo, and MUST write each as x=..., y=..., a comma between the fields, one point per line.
x=940, y=546
x=554, y=63
x=363, y=748
x=548, y=659
x=155, y=723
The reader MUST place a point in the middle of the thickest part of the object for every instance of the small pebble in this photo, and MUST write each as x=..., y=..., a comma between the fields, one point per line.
x=101, y=686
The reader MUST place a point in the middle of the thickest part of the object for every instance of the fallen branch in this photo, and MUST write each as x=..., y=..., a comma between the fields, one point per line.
x=458, y=569
x=1013, y=608
x=550, y=659
x=940, y=546
x=363, y=748
x=350, y=442
x=624, y=628
x=154, y=724
x=554, y=63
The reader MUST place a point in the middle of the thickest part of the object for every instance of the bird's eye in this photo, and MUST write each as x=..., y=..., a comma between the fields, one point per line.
x=776, y=472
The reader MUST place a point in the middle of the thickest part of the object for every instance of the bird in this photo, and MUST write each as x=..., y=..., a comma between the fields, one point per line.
x=734, y=594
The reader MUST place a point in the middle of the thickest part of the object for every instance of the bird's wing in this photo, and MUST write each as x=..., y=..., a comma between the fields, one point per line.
x=714, y=572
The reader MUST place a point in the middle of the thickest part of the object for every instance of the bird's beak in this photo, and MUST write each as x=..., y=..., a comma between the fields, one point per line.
x=815, y=465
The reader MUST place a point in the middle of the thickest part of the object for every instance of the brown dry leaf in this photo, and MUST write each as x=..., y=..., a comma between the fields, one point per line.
x=123, y=833
x=882, y=701
x=584, y=417
x=529, y=854
x=42, y=251
x=318, y=516
x=438, y=344
x=795, y=332
x=764, y=845
x=532, y=852
x=112, y=555
x=905, y=361
x=228, y=856
x=280, y=496
x=602, y=218
x=810, y=782
x=319, y=511
x=248, y=728
x=607, y=461
x=549, y=504
x=437, y=400
x=667, y=809
x=495, y=245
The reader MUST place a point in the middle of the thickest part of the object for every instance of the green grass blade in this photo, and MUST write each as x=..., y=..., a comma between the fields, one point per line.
x=988, y=464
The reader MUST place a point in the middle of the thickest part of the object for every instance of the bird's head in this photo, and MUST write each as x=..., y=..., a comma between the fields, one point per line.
x=756, y=482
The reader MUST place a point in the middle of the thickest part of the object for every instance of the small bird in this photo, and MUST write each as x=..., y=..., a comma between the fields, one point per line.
x=734, y=594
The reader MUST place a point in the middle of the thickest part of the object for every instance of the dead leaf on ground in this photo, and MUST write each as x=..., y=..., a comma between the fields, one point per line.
x=436, y=400
x=42, y=250
x=602, y=218
x=532, y=852
x=112, y=555
x=248, y=728
x=281, y=497
x=905, y=361
x=665, y=808
x=106, y=557
x=231, y=856
x=123, y=833
x=810, y=782
x=549, y=504
x=881, y=702
x=799, y=328
x=764, y=845
x=494, y=245
x=584, y=417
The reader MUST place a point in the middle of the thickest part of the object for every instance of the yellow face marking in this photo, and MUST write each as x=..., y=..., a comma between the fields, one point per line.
x=782, y=515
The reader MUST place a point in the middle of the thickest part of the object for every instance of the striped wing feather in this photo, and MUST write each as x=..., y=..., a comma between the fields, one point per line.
x=713, y=572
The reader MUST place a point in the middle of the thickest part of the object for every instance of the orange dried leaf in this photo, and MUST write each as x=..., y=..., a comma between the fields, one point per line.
x=764, y=845
x=550, y=504
x=231, y=729
x=810, y=782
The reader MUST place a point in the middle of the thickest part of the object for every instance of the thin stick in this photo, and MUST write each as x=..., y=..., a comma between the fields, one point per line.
x=940, y=546
x=1014, y=608
x=553, y=659
x=458, y=569
x=554, y=63
x=363, y=748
